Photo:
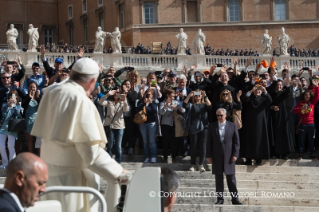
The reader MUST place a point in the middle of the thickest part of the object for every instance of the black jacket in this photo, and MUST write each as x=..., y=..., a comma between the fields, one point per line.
x=26, y=101
x=7, y=203
x=18, y=76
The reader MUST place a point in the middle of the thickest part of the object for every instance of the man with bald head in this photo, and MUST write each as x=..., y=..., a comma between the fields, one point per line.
x=27, y=175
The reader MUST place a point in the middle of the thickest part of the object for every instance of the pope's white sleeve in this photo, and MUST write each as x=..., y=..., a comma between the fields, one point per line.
x=99, y=161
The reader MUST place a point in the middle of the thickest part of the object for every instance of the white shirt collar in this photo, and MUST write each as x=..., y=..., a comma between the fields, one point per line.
x=16, y=199
x=224, y=123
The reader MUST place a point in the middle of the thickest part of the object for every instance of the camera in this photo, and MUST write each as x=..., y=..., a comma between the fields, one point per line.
x=219, y=65
x=305, y=68
x=147, y=96
x=118, y=96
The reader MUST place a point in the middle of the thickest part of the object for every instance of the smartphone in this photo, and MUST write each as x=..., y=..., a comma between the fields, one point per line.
x=147, y=96
x=219, y=65
x=197, y=93
x=13, y=96
x=130, y=68
x=259, y=87
x=198, y=74
x=10, y=62
x=96, y=85
x=305, y=68
x=118, y=96
x=316, y=73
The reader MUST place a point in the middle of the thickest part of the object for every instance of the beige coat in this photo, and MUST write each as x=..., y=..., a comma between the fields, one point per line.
x=112, y=108
x=73, y=141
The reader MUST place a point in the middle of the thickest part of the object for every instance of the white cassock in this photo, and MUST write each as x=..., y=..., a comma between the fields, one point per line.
x=73, y=142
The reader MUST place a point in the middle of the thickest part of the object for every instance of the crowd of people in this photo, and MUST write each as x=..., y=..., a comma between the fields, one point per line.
x=178, y=108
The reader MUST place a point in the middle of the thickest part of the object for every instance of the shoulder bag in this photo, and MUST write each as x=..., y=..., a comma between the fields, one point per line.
x=140, y=117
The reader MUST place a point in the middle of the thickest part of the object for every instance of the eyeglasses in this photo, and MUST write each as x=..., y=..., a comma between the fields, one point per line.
x=107, y=80
x=5, y=77
x=225, y=94
x=219, y=115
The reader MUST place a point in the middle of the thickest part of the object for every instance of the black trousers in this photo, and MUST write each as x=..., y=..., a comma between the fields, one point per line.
x=168, y=134
x=179, y=144
x=198, y=140
x=128, y=132
x=231, y=184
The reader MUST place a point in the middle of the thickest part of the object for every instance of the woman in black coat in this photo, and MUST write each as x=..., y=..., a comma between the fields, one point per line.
x=131, y=97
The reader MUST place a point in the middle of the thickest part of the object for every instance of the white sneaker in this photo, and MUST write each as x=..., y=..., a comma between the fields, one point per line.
x=153, y=160
x=201, y=168
x=3, y=167
x=192, y=168
x=147, y=160
x=130, y=151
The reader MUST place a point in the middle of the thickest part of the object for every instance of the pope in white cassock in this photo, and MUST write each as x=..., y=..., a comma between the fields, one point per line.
x=74, y=138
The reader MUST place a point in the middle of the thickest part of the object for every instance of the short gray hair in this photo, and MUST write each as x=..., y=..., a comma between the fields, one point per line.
x=182, y=76
x=82, y=78
x=221, y=109
x=171, y=180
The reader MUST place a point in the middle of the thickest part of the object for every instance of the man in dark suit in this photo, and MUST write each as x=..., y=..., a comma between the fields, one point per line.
x=26, y=178
x=222, y=151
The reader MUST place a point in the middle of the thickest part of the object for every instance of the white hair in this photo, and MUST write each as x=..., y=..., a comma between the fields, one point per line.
x=182, y=76
x=221, y=109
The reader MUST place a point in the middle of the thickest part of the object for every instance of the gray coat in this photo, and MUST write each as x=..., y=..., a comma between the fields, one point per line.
x=289, y=100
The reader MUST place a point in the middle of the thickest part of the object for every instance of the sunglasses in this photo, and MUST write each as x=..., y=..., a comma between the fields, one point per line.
x=5, y=77
x=225, y=94
x=219, y=115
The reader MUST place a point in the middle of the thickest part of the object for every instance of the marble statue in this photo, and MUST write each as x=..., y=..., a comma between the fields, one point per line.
x=115, y=40
x=12, y=35
x=267, y=41
x=100, y=40
x=283, y=42
x=198, y=42
x=182, y=42
x=33, y=38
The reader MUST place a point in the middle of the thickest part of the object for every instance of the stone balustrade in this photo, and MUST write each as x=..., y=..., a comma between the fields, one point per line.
x=146, y=63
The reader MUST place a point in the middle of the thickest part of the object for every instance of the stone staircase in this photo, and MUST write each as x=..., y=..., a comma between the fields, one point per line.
x=276, y=185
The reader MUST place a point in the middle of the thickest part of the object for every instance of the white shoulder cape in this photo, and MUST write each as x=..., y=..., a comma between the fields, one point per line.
x=66, y=114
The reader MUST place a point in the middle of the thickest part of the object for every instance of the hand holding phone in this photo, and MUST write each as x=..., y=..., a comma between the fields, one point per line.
x=197, y=93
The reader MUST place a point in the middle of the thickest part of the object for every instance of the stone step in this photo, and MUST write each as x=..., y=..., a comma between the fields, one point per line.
x=240, y=208
x=240, y=161
x=313, y=202
x=246, y=192
x=209, y=183
x=239, y=168
x=253, y=176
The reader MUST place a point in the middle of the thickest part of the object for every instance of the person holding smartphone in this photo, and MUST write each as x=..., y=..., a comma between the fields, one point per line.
x=30, y=105
x=148, y=128
x=114, y=125
x=255, y=131
x=198, y=115
x=9, y=110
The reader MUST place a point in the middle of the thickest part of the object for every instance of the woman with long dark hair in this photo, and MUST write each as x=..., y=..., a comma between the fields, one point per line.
x=226, y=102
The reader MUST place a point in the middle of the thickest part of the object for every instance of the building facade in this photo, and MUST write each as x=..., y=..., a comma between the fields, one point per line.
x=234, y=24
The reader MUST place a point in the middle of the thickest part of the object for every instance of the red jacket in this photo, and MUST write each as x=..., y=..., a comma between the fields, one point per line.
x=308, y=116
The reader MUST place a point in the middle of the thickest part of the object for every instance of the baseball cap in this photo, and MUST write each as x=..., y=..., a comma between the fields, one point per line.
x=58, y=60
x=36, y=64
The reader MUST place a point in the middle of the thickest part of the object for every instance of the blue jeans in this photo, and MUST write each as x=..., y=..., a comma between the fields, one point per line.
x=148, y=131
x=118, y=135
x=306, y=129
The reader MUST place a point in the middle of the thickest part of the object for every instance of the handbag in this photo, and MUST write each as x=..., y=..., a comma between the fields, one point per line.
x=16, y=125
x=237, y=118
x=140, y=117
